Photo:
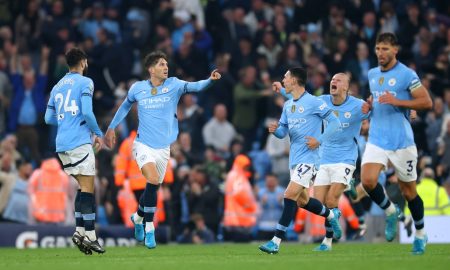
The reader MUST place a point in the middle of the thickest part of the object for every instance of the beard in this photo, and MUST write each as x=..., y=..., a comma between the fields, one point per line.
x=85, y=71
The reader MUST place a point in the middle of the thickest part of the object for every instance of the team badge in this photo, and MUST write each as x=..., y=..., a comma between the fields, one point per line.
x=347, y=115
x=392, y=82
x=154, y=91
x=301, y=109
x=381, y=81
x=336, y=113
x=293, y=109
x=165, y=90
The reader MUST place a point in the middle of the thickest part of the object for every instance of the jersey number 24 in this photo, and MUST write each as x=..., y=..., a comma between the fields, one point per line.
x=73, y=107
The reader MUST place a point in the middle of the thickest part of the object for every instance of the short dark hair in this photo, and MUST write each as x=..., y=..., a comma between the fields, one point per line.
x=300, y=74
x=74, y=56
x=387, y=37
x=152, y=58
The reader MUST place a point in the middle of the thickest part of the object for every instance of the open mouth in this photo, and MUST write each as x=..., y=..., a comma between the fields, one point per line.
x=334, y=87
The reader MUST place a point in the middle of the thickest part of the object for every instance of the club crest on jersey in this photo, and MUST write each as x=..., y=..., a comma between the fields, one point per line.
x=392, y=82
x=336, y=113
x=165, y=90
x=154, y=91
x=301, y=109
x=347, y=115
x=293, y=109
x=381, y=81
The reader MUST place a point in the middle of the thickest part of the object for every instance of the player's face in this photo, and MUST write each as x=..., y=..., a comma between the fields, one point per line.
x=385, y=53
x=160, y=70
x=339, y=85
x=288, y=82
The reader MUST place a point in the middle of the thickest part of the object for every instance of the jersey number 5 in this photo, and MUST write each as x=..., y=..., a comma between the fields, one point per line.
x=73, y=108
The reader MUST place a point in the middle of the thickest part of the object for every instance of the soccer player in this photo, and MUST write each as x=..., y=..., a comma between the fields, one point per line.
x=340, y=152
x=302, y=118
x=157, y=99
x=395, y=90
x=70, y=108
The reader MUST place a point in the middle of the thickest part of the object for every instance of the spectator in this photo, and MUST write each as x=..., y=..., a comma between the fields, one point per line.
x=16, y=209
x=218, y=132
x=197, y=232
x=28, y=105
x=49, y=192
x=270, y=198
x=241, y=207
x=204, y=198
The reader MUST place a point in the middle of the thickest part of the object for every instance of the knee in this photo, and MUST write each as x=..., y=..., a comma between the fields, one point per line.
x=409, y=193
x=369, y=183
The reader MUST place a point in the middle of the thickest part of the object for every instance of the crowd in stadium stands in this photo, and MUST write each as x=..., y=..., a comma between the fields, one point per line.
x=223, y=148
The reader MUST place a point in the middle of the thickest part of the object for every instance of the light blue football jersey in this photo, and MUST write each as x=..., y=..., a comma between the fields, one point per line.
x=157, y=107
x=390, y=128
x=65, y=100
x=342, y=146
x=301, y=118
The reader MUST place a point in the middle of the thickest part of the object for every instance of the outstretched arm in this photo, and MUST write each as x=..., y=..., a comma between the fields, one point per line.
x=203, y=84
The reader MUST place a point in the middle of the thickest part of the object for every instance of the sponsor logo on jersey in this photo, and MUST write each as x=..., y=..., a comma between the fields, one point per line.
x=392, y=82
x=154, y=91
x=347, y=115
x=381, y=81
x=301, y=109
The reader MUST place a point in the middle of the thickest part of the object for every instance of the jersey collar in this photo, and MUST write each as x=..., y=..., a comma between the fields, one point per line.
x=295, y=100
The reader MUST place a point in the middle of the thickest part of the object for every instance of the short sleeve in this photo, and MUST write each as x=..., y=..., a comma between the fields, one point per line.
x=414, y=81
x=321, y=108
x=283, y=119
x=88, y=88
x=131, y=96
x=51, y=102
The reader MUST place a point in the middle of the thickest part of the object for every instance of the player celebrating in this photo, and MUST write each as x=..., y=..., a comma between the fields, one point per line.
x=70, y=108
x=157, y=100
x=302, y=118
x=395, y=90
x=340, y=152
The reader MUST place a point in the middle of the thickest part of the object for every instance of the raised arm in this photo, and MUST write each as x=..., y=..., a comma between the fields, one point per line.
x=203, y=84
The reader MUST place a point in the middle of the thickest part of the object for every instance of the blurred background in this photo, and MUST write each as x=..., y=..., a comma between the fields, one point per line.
x=223, y=134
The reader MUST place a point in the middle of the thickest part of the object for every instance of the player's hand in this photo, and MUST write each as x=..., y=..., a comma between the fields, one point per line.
x=272, y=127
x=312, y=143
x=366, y=108
x=276, y=87
x=98, y=143
x=110, y=138
x=387, y=98
x=412, y=115
x=369, y=103
x=215, y=75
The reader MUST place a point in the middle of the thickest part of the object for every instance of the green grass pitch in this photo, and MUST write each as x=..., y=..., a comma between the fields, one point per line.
x=355, y=256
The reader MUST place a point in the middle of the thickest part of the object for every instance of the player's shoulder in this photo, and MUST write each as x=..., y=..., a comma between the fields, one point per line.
x=139, y=86
x=373, y=71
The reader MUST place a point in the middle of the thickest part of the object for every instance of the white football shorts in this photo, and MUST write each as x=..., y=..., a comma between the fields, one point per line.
x=303, y=174
x=79, y=161
x=404, y=160
x=145, y=154
x=334, y=173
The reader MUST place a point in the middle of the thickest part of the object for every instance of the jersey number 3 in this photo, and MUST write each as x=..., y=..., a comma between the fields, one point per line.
x=73, y=107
